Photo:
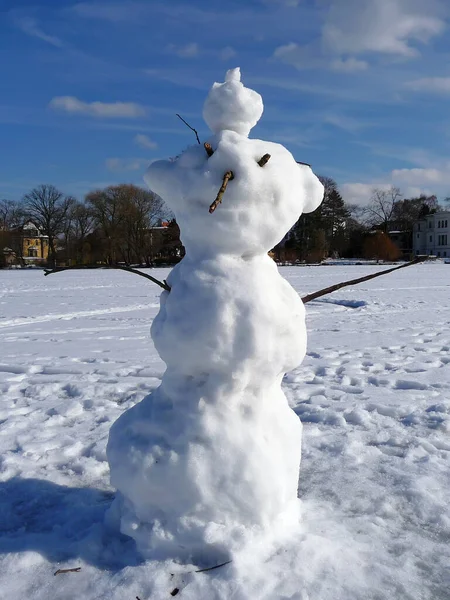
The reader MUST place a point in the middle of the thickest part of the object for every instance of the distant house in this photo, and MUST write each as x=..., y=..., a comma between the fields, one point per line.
x=8, y=257
x=402, y=239
x=431, y=235
x=29, y=244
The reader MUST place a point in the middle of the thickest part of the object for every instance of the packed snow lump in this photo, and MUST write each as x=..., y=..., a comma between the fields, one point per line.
x=206, y=467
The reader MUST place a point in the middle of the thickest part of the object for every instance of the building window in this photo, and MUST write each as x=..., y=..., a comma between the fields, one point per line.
x=431, y=238
x=32, y=252
x=439, y=224
x=418, y=235
x=446, y=222
x=418, y=227
x=445, y=253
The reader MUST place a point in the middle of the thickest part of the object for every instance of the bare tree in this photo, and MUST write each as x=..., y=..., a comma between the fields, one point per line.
x=48, y=209
x=105, y=209
x=10, y=214
x=79, y=225
x=142, y=210
x=123, y=215
x=381, y=209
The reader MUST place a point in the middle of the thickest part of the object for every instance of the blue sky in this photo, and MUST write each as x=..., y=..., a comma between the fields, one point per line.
x=358, y=88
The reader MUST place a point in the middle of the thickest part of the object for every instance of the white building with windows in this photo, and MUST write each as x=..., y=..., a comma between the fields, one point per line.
x=431, y=235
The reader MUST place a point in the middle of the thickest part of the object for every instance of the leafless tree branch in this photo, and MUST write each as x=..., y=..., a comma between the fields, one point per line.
x=186, y=123
x=163, y=284
x=382, y=205
x=338, y=286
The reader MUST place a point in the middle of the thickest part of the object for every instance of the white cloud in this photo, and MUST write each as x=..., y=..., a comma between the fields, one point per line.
x=352, y=28
x=29, y=26
x=300, y=57
x=412, y=182
x=348, y=65
x=72, y=105
x=360, y=193
x=437, y=85
x=283, y=2
x=313, y=56
x=190, y=50
x=383, y=26
x=343, y=122
x=144, y=141
x=227, y=53
x=422, y=177
x=126, y=164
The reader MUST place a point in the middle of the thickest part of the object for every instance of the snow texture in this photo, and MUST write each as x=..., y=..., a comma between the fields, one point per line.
x=207, y=466
x=373, y=393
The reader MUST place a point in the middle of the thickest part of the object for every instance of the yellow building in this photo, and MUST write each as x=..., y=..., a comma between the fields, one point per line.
x=30, y=246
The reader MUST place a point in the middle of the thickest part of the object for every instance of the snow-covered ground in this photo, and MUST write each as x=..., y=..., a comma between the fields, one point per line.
x=373, y=394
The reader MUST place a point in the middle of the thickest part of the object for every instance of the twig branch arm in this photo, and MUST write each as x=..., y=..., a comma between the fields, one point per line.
x=209, y=150
x=226, y=178
x=75, y=570
x=323, y=292
x=263, y=160
x=338, y=286
x=214, y=567
x=186, y=123
x=163, y=284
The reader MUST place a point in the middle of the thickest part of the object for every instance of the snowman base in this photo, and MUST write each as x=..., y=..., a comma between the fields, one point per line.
x=204, y=496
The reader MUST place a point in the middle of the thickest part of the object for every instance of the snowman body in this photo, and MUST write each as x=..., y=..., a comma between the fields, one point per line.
x=208, y=464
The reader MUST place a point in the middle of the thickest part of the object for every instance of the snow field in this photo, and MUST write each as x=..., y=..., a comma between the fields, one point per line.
x=373, y=394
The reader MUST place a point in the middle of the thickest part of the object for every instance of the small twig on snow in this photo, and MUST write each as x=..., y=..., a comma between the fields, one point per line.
x=215, y=567
x=75, y=570
x=338, y=286
x=299, y=162
x=208, y=148
x=186, y=123
x=174, y=592
x=263, y=160
x=226, y=178
x=163, y=284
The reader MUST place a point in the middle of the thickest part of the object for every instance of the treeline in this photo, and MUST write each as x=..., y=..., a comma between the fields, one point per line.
x=119, y=224
x=114, y=224
x=381, y=229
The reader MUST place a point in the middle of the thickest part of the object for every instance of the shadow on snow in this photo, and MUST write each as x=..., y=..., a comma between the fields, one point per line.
x=61, y=523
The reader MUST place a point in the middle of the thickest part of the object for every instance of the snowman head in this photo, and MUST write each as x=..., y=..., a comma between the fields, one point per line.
x=232, y=106
x=260, y=204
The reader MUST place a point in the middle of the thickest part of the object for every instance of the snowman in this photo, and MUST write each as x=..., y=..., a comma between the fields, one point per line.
x=206, y=467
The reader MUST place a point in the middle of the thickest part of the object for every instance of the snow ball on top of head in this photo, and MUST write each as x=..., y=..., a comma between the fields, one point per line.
x=232, y=106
